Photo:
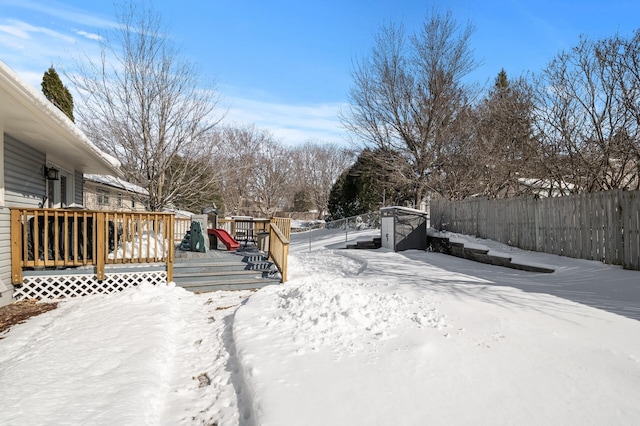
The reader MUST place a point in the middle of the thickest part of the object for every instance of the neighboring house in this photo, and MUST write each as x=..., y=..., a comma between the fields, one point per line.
x=43, y=159
x=545, y=187
x=105, y=192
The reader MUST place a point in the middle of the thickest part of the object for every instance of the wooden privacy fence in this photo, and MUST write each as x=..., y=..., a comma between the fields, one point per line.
x=603, y=226
x=53, y=238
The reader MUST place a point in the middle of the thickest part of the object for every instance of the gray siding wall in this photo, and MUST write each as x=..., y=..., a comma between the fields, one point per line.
x=24, y=187
x=79, y=186
x=5, y=256
x=23, y=179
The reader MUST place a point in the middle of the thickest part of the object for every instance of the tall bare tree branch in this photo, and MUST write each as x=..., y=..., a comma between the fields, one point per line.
x=144, y=104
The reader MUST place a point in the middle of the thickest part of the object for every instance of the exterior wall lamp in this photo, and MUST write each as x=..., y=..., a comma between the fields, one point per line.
x=51, y=173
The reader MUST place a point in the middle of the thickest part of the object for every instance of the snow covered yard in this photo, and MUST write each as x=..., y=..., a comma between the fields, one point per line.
x=357, y=337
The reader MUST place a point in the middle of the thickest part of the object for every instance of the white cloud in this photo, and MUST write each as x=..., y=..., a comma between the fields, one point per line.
x=24, y=30
x=292, y=124
x=27, y=49
x=14, y=31
x=66, y=13
x=90, y=36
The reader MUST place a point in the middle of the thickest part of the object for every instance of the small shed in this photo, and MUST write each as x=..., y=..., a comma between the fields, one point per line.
x=403, y=228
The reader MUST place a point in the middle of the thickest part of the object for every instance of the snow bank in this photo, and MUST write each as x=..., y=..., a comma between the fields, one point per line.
x=79, y=370
x=405, y=342
x=366, y=337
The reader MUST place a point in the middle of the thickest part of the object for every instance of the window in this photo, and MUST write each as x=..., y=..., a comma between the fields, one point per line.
x=102, y=196
x=119, y=198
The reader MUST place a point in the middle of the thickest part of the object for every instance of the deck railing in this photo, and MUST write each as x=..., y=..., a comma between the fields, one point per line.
x=279, y=233
x=54, y=238
x=244, y=229
x=181, y=226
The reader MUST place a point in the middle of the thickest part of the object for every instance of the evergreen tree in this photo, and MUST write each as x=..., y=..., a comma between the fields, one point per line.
x=365, y=187
x=507, y=149
x=501, y=81
x=302, y=201
x=57, y=93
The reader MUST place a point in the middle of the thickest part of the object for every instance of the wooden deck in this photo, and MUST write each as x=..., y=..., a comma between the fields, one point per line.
x=64, y=253
x=247, y=268
x=210, y=254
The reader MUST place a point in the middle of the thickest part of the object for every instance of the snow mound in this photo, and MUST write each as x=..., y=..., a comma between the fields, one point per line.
x=339, y=314
x=325, y=262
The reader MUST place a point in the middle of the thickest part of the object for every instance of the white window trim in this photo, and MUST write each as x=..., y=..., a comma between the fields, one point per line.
x=71, y=186
x=101, y=193
x=1, y=164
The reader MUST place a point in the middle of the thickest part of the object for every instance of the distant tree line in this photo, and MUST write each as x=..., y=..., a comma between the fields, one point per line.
x=262, y=176
x=422, y=125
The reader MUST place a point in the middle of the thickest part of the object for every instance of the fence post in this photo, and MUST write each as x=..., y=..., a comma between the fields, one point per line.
x=346, y=231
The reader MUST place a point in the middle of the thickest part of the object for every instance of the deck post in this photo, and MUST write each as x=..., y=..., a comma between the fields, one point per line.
x=100, y=246
x=171, y=254
x=16, y=247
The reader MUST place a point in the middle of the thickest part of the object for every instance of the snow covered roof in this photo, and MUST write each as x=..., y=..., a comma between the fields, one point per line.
x=178, y=213
x=405, y=209
x=116, y=182
x=545, y=184
x=28, y=116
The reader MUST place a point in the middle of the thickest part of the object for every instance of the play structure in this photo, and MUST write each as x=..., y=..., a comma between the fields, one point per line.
x=230, y=243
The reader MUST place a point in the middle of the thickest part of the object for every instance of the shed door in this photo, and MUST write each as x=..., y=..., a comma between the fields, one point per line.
x=388, y=232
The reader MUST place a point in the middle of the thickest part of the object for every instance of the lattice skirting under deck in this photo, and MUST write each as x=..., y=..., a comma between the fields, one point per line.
x=62, y=286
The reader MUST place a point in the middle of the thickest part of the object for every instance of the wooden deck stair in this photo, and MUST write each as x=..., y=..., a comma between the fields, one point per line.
x=221, y=270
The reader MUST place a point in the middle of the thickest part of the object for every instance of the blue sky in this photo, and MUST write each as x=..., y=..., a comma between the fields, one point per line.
x=286, y=65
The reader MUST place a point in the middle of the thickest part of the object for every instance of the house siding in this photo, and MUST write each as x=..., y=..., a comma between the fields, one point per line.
x=24, y=187
x=128, y=201
x=5, y=257
x=23, y=178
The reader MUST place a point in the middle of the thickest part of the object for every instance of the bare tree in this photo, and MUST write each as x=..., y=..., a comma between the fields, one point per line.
x=463, y=164
x=272, y=177
x=623, y=56
x=239, y=160
x=407, y=95
x=317, y=167
x=144, y=104
x=587, y=112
